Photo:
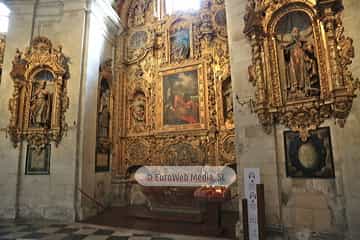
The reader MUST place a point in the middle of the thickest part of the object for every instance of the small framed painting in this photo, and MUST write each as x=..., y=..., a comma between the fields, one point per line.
x=38, y=160
x=310, y=159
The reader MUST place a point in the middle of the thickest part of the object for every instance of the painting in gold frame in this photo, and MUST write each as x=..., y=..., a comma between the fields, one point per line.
x=38, y=160
x=182, y=98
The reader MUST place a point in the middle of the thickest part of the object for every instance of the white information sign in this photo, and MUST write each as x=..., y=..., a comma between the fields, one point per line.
x=251, y=179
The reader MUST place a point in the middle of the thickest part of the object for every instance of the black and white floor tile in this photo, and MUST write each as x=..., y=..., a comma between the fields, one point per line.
x=10, y=230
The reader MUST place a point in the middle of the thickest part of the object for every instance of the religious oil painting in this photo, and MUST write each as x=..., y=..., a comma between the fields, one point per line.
x=180, y=45
x=297, y=57
x=312, y=158
x=38, y=160
x=41, y=101
x=181, y=98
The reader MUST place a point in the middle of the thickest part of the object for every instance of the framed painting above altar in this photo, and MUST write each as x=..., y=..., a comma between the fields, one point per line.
x=182, y=98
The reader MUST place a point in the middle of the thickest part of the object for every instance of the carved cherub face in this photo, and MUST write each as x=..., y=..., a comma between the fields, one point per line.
x=139, y=108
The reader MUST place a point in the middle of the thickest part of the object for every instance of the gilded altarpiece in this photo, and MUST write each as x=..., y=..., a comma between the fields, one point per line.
x=39, y=99
x=174, y=99
x=300, y=63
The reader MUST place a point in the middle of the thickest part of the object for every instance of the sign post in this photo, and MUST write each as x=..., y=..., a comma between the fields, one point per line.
x=251, y=180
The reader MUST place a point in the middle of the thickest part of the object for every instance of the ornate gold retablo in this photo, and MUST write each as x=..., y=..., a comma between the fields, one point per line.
x=300, y=63
x=39, y=99
x=173, y=100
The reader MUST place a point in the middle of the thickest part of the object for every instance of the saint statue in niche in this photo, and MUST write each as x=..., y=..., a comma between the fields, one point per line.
x=300, y=68
x=40, y=106
x=139, y=18
x=138, y=108
x=104, y=112
x=40, y=102
x=228, y=105
x=139, y=12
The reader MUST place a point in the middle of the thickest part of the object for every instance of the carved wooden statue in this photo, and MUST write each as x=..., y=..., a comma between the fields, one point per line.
x=104, y=113
x=40, y=105
x=301, y=67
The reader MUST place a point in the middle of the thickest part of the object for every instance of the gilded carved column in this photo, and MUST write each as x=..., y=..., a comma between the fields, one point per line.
x=330, y=27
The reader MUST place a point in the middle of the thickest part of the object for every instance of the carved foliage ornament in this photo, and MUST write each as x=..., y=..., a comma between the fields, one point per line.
x=137, y=12
x=300, y=63
x=139, y=43
x=39, y=100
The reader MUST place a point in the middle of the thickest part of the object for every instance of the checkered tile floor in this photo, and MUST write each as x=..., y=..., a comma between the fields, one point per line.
x=54, y=231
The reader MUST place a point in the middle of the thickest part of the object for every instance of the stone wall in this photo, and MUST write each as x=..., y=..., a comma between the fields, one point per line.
x=296, y=209
x=254, y=148
x=21, y=20
x=103, y=28
x=76, y=25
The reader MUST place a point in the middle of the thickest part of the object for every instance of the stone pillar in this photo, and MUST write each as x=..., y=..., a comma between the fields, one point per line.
x=78, y=26
x=254, y=148
x=19, y=35
x=103, y=28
